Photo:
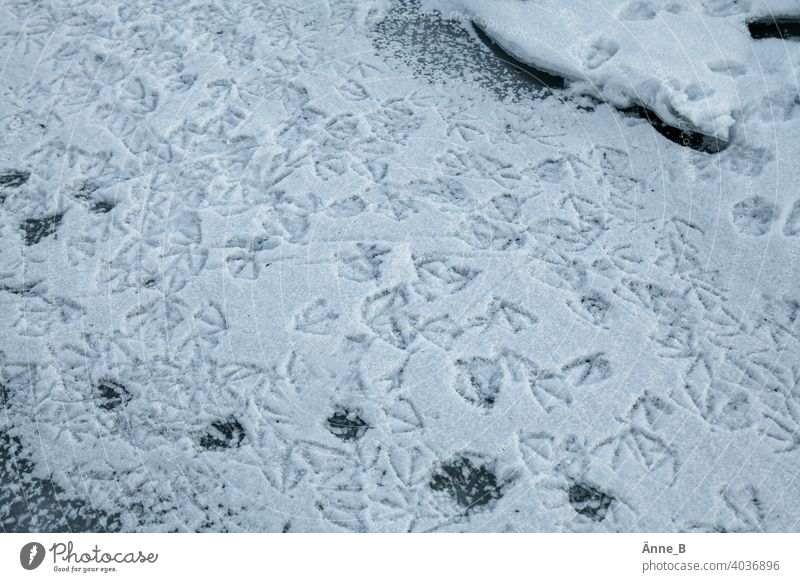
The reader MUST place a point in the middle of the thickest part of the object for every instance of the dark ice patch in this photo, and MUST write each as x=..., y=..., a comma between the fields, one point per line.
x=34, y=504
x=683, y=137
x=14, y=179
x=223, y=434
x=468, y=485
x=540, y=78
x=102, y=206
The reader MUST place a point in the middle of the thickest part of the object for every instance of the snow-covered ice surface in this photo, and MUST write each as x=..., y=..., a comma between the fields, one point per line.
x=278, y=266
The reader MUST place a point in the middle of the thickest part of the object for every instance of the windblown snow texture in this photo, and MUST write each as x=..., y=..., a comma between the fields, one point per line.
x=280, y=266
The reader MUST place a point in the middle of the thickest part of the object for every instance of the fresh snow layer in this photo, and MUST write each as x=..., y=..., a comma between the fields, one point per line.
x=279, y=266
x=692, y=62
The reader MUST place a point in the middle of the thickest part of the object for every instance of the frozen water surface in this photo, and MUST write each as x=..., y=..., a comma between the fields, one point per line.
x=350, y=266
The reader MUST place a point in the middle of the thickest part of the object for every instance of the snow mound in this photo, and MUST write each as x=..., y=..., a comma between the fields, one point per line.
x=693, y=63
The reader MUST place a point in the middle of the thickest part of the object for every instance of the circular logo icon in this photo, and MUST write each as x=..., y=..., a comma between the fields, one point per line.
x=31, y=555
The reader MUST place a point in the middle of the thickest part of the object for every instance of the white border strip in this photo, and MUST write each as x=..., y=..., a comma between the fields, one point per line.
x=390, y=557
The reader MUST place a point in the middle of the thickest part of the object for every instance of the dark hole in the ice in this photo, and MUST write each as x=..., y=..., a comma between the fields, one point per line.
x=102, y=206
x=347, y=425
x=468, y=485
x=538, y=76
x=14, y=179
x=686, y=138
x=223, y=434
x=786, y=28
x=589, y=501
x=112, y=394
x=36, y=229
x=3, y=395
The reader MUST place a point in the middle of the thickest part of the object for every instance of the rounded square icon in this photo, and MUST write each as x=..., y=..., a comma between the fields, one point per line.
x=31, y=555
